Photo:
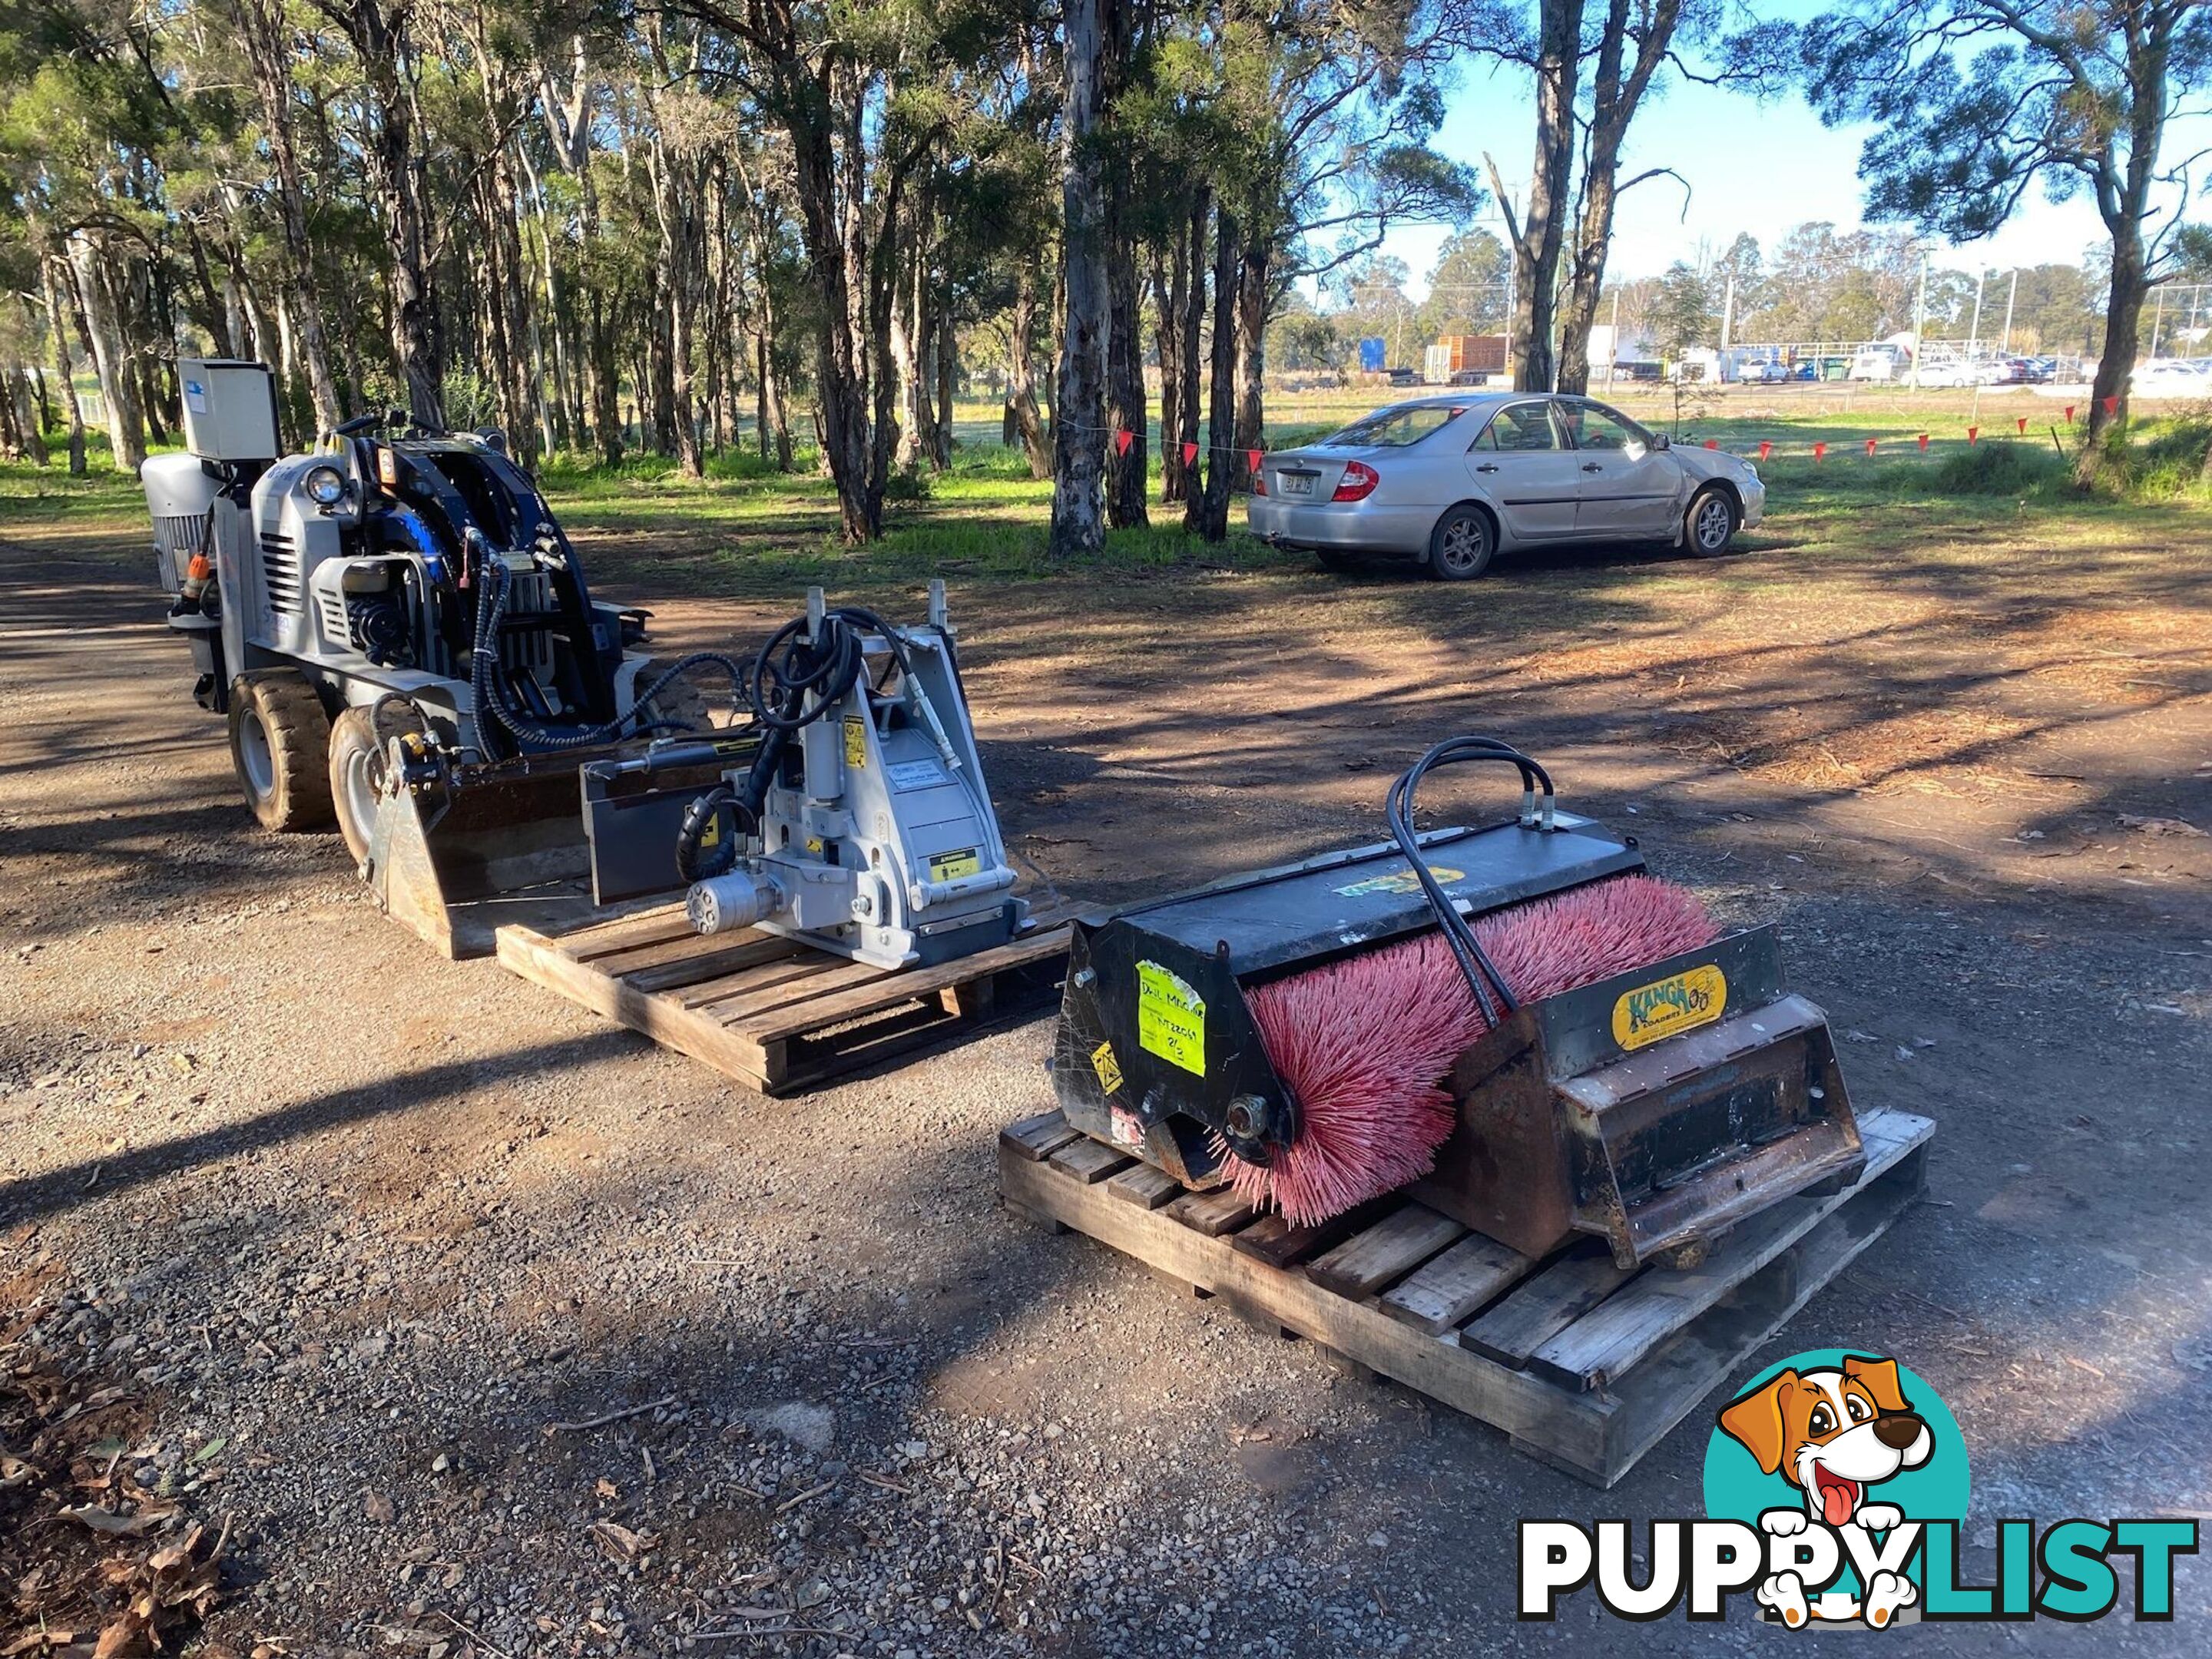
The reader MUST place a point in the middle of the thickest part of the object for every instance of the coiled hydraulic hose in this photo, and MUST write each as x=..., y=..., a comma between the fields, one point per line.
x=798, y=677
x=489, y=693
x=1492, y=994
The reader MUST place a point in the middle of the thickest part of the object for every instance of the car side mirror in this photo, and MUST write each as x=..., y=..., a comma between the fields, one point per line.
x=1660, y=440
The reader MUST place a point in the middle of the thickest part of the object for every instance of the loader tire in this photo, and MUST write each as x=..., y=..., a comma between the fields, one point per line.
x=280, y=740
x=357, y=762
x=682, y=701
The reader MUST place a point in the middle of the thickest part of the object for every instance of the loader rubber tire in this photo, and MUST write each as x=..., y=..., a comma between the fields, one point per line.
x=280, y=741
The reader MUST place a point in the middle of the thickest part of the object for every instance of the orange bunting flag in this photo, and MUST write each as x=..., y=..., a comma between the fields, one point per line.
x=1766, y=448
x=2111, y=405
x=1972, y=433
x=1251, y=459
x=1820, y=452
x=1190, y=454
x=1712, y=443
x=2070, y=414
x=1924, y=443
x=1869, y=449
x=2021, y=421
x=1122, y=441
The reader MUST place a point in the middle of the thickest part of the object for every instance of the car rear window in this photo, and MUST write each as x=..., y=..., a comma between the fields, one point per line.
x=1397, y=428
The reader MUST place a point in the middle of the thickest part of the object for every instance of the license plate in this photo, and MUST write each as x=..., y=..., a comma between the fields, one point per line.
x=1298, y=483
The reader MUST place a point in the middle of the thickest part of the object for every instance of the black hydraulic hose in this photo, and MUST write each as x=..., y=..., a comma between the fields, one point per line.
x=490, y=696
x=1492, y=994
x=693, y=832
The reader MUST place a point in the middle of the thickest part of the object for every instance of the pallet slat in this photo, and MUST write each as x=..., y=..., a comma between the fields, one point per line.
x=1456, y=1284
x=1089, y=1161
x=1279, y=1244
x=1211, y=1214
x=1545, y=1306
x=1145, y=1185
x=778, y=1015
x=1595, y=1434
x=1037, y=1138
x=1393, y=1248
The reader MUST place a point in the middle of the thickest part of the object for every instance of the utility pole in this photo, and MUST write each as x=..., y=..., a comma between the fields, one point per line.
x=1920, y=323
x=2156, y=323
x=1974, y=333
x=1728, y=312
x=2004, y=346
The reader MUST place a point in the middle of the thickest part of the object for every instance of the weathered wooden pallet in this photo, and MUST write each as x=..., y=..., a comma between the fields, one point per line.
x=1584, y=1366
x=782, y=1016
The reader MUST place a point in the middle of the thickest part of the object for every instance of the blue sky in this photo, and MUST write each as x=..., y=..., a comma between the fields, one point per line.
x=1752, y=167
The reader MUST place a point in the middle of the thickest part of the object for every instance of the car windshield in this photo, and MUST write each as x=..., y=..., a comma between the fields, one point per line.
x=1395, y=428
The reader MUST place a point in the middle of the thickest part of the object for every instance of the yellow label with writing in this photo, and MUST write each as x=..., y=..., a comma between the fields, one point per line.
x=712, y=834
x=1680, y=1002
x=1404, y=881
x=951, y=867
x=1108, y=1067
x=1170, y=1019
x=856, y=743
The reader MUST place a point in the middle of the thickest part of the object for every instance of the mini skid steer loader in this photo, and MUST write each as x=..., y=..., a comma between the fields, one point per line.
x=402, y=638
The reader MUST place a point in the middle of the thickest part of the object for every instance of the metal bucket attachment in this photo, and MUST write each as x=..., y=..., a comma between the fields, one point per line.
x=1655, y=1110
x=488, y=845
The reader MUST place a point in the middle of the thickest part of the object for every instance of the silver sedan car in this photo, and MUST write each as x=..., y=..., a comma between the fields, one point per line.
x=1448, y=481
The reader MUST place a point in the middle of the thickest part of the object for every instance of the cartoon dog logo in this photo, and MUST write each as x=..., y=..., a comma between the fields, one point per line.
x=1833, y=1433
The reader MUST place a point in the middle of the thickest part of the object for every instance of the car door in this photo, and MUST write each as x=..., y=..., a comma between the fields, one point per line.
x=1629, y=489
x=1524, y=469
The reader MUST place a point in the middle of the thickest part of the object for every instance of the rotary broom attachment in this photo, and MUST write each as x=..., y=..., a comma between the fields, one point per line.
x=1511, y=1022
x=1364, y=1044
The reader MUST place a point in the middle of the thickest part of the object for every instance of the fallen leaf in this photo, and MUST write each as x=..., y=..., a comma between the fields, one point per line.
x=379, y=1508
x=606, y=1489
x=96, y=1519
x=620, y=1542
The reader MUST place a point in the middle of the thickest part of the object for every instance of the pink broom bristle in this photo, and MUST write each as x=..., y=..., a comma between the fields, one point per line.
x=1364, y=1044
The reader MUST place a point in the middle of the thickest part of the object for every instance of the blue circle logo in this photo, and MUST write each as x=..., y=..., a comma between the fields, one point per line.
x=1830, y=1454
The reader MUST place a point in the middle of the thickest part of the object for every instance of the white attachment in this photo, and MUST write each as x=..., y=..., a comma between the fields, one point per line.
x=230, y=409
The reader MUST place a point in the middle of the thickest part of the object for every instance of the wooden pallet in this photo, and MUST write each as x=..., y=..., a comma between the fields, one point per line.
x=781, y=1017
x=1584, y=1366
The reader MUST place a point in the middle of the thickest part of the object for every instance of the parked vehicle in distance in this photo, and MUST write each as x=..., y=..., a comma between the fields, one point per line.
x=1640, y=369
x=1471, y=377
x=1405, y=377
x=1881, y=361
x=1448, y=481
x=2169, y=377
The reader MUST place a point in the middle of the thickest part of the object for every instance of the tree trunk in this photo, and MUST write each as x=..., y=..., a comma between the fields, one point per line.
x=1252, y=305
x=119, y=389
x=1079, y=401
x=1021, y=375
x=2108, y=397
x=1185, y=440
x=1616, y=93
x=1538, y=238
x=395, y=172
x=947, y=363
x=1167, y=343
x=26, y=408
x=267, y=45
x=1211, y=508
x=1127, y=470
x=58, y=323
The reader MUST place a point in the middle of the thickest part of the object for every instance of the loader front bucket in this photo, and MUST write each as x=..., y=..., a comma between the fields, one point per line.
x=507, y=842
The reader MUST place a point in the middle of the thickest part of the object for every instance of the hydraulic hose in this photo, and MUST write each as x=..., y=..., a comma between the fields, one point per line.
x=490, y=694
x=1492, y=994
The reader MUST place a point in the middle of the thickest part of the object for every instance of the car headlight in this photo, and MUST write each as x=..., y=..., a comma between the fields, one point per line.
x=325, y=485
x=1754, y=470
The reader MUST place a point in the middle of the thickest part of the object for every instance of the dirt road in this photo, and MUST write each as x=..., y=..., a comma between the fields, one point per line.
x=358, y=1232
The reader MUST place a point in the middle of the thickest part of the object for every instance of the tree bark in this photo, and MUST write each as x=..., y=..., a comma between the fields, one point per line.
x=1078, y=404
x=1210, y=509
x=119, y=389
x=268, y=41
x=1193, y=323
x=58, y=323
x=395, y=170
x=1541, y=233
x=1617, y=91
x=1252, y=307
x=1127, y=470
x=1021, y=373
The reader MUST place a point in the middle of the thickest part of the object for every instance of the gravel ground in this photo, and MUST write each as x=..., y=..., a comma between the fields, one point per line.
x=491, y=1329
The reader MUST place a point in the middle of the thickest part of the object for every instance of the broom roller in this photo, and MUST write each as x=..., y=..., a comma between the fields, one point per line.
x=1512, y=1020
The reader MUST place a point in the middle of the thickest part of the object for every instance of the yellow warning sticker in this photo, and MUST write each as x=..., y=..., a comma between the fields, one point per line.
x=856, y=743
x=1680, y=1002
x=1108, y=1067
x=712, y=834
x=1170, y=1019
x=951, y=867
x=1404, y=881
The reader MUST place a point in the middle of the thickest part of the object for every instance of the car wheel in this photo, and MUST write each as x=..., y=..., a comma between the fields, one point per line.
x=1460, y=545
x=1709, y=525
